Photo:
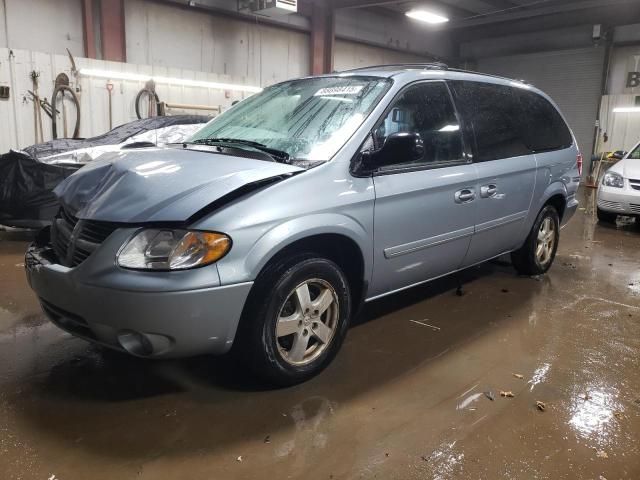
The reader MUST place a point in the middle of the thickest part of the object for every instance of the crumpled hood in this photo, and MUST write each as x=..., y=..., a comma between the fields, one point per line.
x=159, y=184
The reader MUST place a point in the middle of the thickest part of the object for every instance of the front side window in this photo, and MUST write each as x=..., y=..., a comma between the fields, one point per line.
x=309, y=119
x=426, y=109
x=495, y=117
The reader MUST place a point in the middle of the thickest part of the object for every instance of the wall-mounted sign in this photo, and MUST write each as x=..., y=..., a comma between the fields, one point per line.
x=633, y=79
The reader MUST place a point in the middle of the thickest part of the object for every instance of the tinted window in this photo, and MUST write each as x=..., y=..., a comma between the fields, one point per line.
x=495, y=119
x=425, y=109
x=546, y=129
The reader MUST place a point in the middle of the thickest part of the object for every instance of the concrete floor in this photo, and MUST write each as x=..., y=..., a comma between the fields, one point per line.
x=402, y=400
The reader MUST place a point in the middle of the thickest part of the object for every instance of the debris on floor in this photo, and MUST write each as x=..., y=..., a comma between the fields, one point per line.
x=239, y=459
x=508, y=394
x=267, y=439
x=541, y=405
x=425, y=324
x=505, y=290
x=519, y=376
x=490, y=395
x=602, y=454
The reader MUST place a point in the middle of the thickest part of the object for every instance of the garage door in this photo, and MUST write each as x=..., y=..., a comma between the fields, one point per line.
x=571, y=77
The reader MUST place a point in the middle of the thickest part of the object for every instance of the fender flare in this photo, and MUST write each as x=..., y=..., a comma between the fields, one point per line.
x=288, y=232
x=553, y=189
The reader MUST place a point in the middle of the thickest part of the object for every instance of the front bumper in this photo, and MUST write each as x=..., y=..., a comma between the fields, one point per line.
x=147, y=315
x=623, y=201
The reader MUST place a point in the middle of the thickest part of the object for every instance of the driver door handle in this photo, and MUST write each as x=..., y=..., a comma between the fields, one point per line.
x=465, y=195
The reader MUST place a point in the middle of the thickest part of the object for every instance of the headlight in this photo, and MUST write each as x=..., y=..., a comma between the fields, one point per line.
x=162, y=249
x=612, y=179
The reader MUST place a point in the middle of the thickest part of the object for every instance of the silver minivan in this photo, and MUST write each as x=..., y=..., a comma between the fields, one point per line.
x=264, y=233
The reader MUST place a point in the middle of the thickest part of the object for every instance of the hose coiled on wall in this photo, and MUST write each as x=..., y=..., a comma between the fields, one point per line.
x=61, y=88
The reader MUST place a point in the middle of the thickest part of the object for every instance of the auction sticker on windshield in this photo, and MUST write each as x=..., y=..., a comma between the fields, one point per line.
x=350, y=90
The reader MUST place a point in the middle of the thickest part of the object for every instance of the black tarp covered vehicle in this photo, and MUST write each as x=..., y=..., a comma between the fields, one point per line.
x=28, y=177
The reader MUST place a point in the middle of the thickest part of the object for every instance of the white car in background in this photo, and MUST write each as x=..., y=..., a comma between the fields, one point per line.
x=619, y=191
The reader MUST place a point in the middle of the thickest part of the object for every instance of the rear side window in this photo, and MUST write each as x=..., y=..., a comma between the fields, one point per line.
x=495, y=119
x=546, y=129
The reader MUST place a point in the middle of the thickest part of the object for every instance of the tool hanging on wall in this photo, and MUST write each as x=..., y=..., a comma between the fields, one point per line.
x=149, y=92
x=43, y=102
x=62, y=88
x=37, y=115
x=110, y=90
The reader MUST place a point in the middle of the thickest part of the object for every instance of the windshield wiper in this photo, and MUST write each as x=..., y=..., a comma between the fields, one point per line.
x=278, y=155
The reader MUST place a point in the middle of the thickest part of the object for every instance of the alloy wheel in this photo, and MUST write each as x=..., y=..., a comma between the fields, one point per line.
x=546, y=241
x=307, y=322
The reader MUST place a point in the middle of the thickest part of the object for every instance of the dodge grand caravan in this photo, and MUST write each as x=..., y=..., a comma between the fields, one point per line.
x=264, y=232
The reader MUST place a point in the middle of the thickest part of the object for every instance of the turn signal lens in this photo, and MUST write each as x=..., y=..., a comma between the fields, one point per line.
x=155, y=249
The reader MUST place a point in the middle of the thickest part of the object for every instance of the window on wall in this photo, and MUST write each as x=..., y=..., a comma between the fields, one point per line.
x=495, y=117
x=545, y=130
x=426, y=109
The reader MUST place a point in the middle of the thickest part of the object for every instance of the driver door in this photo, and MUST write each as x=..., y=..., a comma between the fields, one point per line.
x=424, y=209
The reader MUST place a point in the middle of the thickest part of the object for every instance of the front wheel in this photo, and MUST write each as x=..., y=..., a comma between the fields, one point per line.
x=536, y=256
x=296, y=319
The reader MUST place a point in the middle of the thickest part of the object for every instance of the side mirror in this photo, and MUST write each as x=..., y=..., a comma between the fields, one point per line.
x=401, y=147
x=618, y=154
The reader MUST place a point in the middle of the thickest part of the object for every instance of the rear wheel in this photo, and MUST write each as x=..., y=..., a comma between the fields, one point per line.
x=539, y=250
x=606, y=217
x=296, y=319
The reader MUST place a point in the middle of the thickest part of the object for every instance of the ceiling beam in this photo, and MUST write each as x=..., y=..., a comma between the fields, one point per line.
x=501, y=4
x=524, y=13
x=364, y=3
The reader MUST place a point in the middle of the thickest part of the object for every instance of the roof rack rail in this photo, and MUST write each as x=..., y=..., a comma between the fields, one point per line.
x=424, y=66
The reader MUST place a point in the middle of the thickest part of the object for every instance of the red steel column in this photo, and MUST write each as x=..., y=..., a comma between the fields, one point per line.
x=112, y=30
x=322, y=39
x=88, y=33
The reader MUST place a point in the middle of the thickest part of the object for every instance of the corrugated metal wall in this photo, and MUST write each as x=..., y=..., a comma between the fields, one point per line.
x=571, y=77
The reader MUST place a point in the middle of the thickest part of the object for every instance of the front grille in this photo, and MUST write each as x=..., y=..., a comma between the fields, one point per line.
x=66, y=320
x=611, y=205
x=73, y=239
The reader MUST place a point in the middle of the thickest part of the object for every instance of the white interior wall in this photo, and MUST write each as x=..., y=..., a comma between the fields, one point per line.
x=623, y=60
x=352, y=55
x=622, y=129
x=42, y=25
x=169, y=36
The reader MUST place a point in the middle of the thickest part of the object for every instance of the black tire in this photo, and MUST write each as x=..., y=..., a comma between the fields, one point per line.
x=606, y=217
x=257, y=344
x=525, y=260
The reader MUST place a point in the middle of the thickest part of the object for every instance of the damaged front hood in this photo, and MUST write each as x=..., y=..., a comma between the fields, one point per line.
x=159, y=184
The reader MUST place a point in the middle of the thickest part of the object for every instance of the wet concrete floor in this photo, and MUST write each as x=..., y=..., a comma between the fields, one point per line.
x=404, y=399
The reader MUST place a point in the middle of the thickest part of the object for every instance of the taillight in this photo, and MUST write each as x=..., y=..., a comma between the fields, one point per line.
x=579, y=162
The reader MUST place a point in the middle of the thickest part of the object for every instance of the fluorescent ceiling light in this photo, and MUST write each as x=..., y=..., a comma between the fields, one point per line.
x=626, y=110
x=450, y=128
x=425, y=16
x=137, y=77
